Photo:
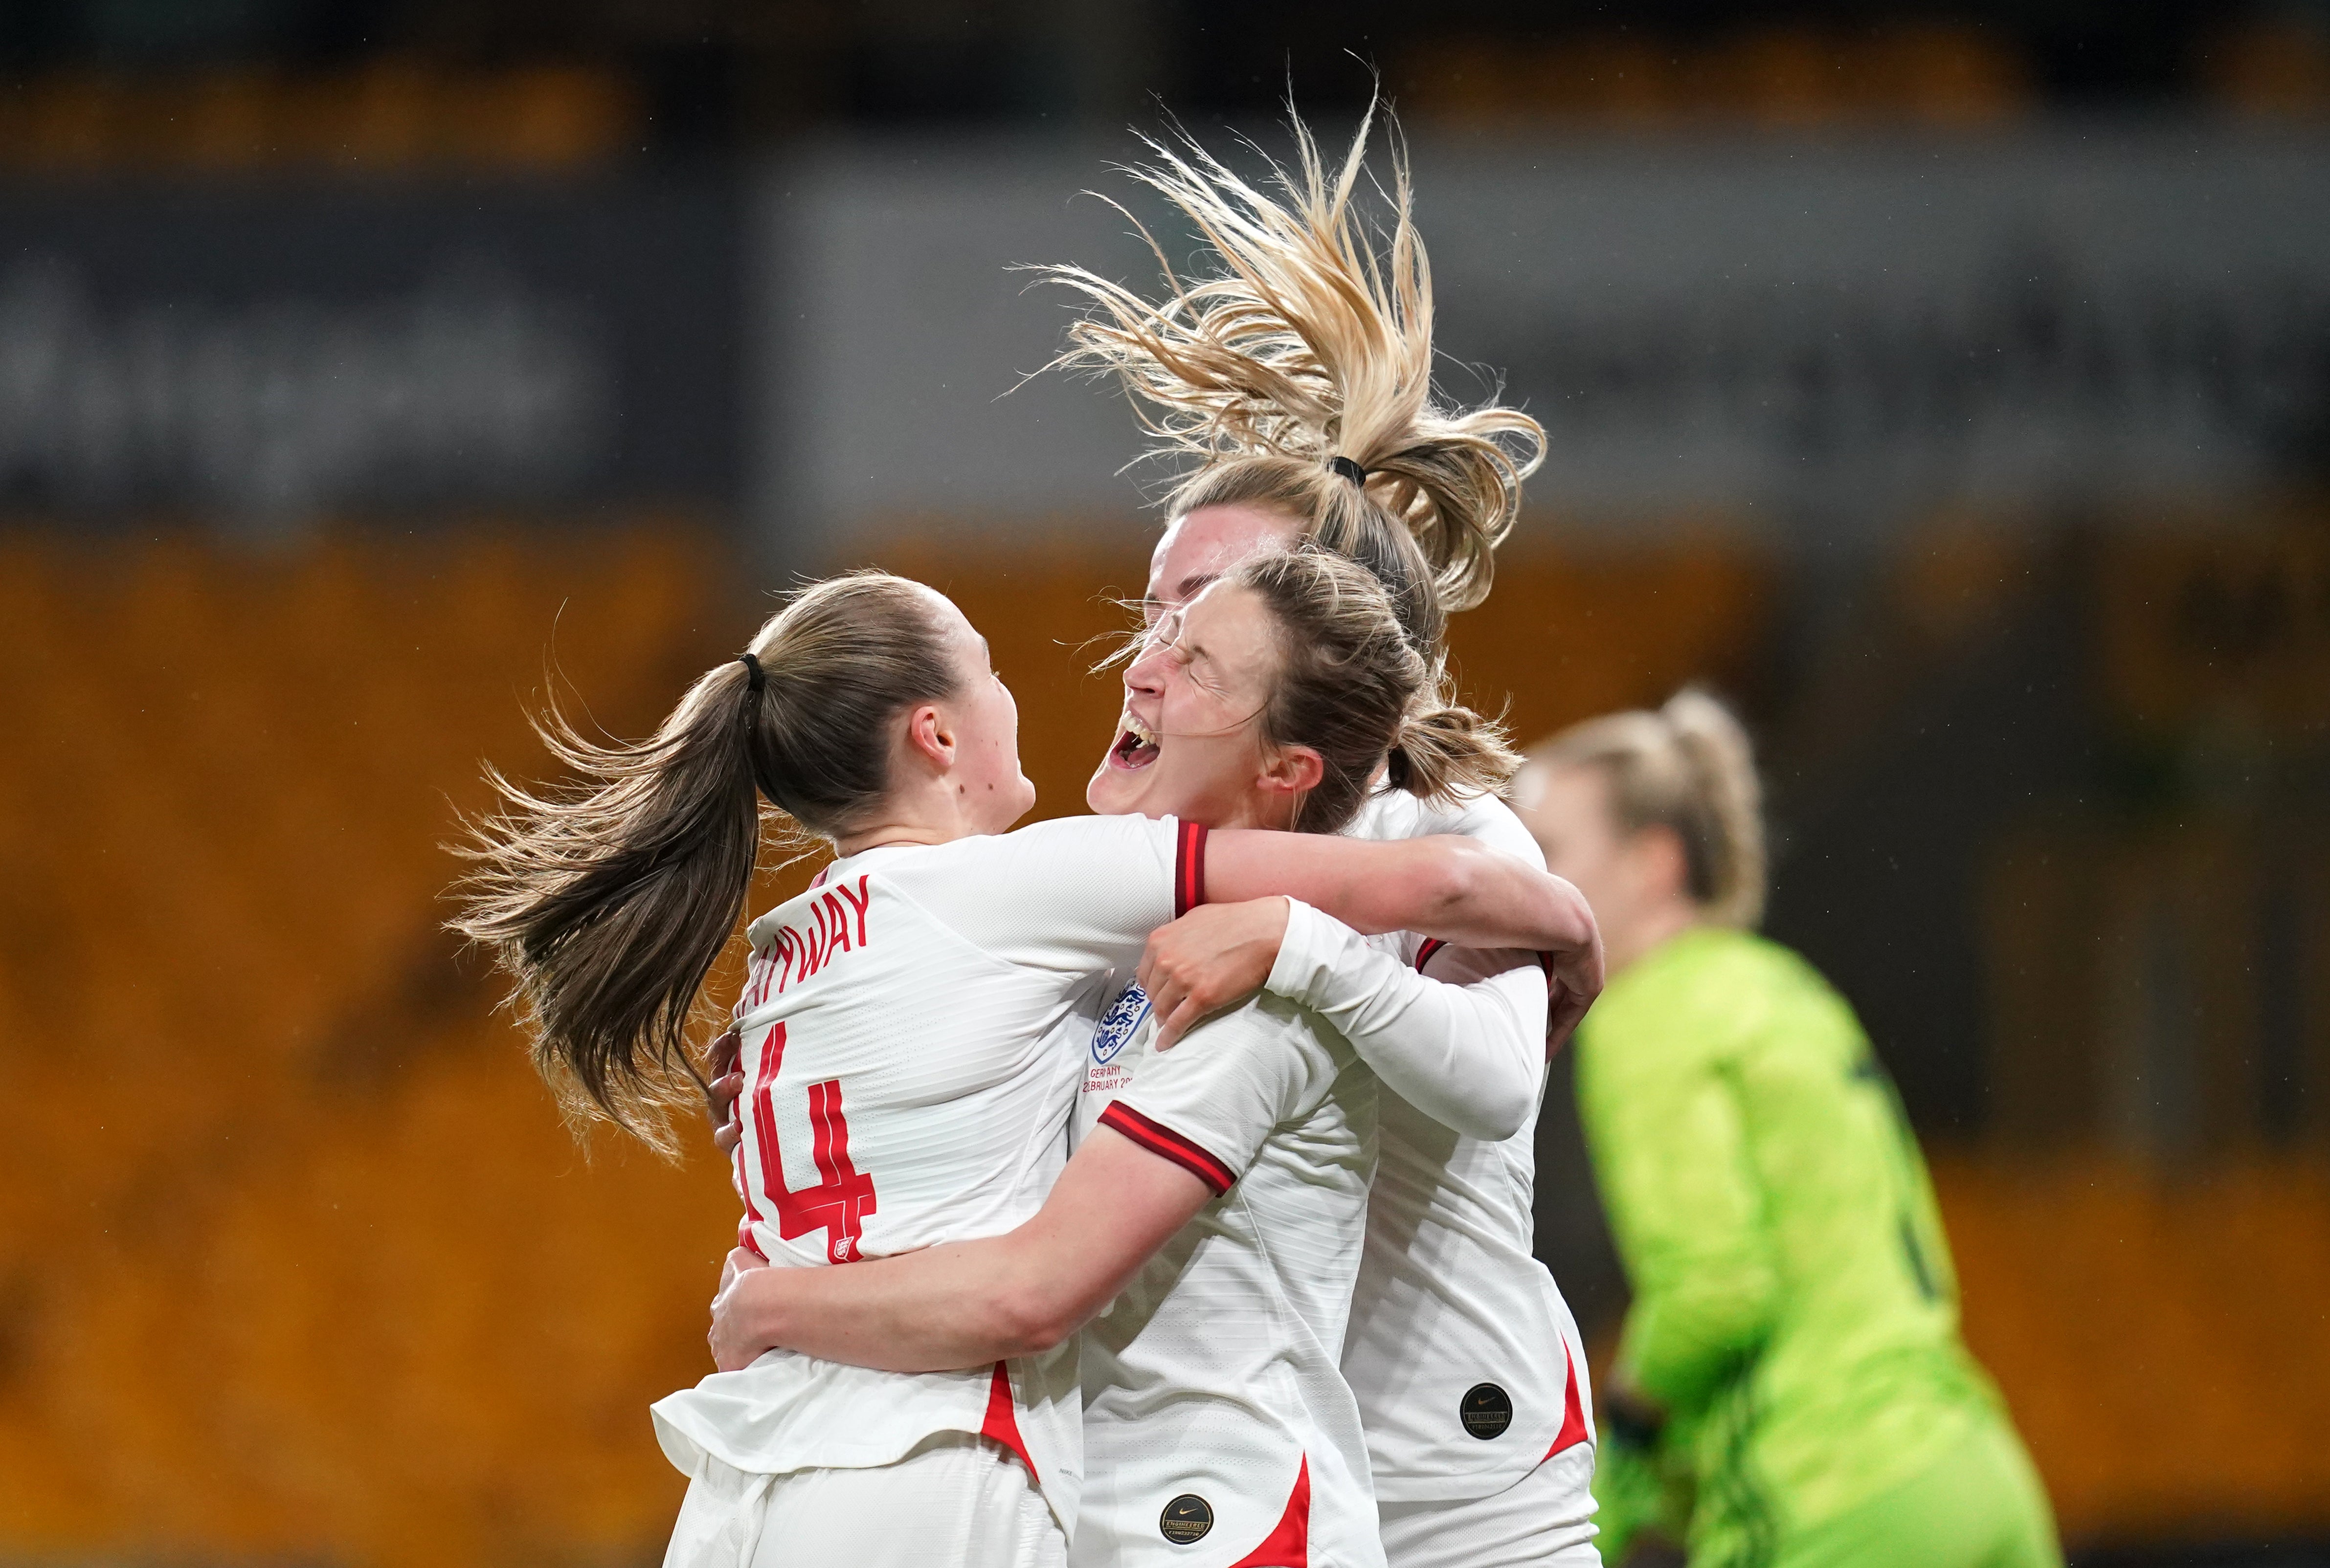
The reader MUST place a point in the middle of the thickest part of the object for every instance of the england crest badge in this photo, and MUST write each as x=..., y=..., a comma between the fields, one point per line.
x=1117, y=1025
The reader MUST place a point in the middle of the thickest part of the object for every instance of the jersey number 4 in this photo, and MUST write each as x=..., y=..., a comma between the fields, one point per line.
x=844, y=1194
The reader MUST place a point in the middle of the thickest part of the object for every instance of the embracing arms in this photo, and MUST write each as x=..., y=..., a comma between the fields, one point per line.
x=967, y=1304
x=1448, y=886
x=1459, y=890
x=1469, y=1053
x=1460, y=1034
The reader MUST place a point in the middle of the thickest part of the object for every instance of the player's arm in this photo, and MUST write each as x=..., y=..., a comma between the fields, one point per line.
x=1177, y=1138
x=967, y=1304
x=1670, y=1154
x=1469, y=1052
x=1454, y=888
x=1446, y=886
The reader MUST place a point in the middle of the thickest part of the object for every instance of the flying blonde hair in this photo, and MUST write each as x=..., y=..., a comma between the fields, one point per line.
x=1311, y=346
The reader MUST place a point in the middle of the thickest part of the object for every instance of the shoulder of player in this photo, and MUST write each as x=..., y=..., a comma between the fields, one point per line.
x=1041, y=850
x=838, y=915
x=1716, y=996
x=1396, y=814
x=1063, y=834
x=1488, y=818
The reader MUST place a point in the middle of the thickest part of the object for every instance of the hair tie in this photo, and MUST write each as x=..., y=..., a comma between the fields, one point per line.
x=758, y=678
x=1346, y=467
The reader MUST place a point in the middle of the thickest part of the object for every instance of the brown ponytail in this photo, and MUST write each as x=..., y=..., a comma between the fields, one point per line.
x=1353, y=688
x=1310, y=345
x=1688, y=767
x=608, y=899
x=1444, y=750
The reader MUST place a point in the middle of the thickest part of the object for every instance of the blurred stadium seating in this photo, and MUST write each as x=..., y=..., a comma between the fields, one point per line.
x=1937, y=75
x=390, y=115
x=2161, y=1338
x=296, y=1263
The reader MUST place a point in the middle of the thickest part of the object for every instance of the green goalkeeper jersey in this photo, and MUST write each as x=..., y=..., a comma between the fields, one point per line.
x=1795, y=1305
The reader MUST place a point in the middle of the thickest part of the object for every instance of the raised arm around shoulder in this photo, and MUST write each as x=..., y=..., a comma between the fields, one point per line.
x=1457, y=888
x=967, y=1304
x=1466, y=1046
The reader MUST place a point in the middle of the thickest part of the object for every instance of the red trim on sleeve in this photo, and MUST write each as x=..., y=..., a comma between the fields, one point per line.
x=1160, y=1139
x=1288, y=1546
x=1002, y=1422
x=1574, y=1430
x=1188, y=868
x=1424, y=954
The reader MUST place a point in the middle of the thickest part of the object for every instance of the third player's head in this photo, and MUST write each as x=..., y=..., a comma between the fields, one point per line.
x=1277, y=694
x=1298, y=376
x=866, y=711
x=1655, y=815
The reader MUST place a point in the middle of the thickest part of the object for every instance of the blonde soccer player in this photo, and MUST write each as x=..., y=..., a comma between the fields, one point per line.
x=1790, y=1389
x=1295, y=375
x=914, y=1029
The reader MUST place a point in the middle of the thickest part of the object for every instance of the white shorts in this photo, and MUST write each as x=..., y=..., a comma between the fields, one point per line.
x=955, y=1501
x=1544, y=1520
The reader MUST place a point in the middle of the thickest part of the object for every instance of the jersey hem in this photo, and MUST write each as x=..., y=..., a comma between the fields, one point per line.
x=1441, y=1486
x=686, y=1443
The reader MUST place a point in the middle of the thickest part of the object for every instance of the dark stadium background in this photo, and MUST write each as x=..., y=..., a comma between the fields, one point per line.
x=1948, y=384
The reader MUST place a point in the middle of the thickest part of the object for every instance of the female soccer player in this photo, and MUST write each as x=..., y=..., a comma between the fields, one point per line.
x=1298, y=376
x=916, y=1023
x=1792, y=1348
x=1215, y=1410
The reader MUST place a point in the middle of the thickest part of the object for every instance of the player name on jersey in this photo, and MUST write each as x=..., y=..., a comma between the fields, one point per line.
x=832, y=924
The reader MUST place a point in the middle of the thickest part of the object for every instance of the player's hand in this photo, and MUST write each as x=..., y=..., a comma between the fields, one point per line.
x=1573, y=979
x=1217, y=954
x=739, y=1260
x=720, y=1094
x=735, y=1338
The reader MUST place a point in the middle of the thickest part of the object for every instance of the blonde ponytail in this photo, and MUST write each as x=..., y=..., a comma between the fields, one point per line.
x=1688, y=767
x=1730, y=798
x=1299, y=378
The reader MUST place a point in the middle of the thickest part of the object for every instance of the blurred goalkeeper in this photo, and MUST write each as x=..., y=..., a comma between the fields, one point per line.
x=1790, y=1391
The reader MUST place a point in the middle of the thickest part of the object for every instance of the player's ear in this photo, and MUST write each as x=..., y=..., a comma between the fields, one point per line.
x=1660, y=861
x=930, y=734
x=1292, y=770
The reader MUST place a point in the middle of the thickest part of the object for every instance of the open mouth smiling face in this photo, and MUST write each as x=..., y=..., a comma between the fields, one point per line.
x=1136, y=745
x=1187, y=744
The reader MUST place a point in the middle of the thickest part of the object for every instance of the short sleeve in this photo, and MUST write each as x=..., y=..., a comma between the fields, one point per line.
x=1074, y=895
x=1208, y=1103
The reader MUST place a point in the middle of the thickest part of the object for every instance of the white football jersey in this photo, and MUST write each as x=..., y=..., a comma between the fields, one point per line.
x=1218, y=1430
x=1462, y=1352
x=913, y=1030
